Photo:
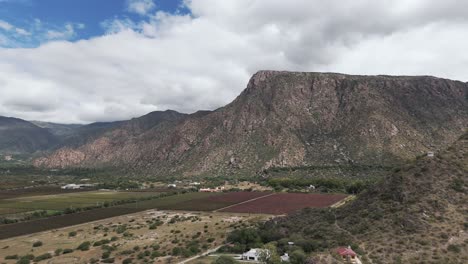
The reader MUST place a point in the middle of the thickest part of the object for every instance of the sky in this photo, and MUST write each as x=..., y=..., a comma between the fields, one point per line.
x=85, y=61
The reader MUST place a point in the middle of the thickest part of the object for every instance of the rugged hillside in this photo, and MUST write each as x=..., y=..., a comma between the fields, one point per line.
x=18, y=136
x=416, y=215
x=290, y=119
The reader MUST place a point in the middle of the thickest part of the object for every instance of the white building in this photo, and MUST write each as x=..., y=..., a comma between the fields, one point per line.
x=71, y=186
x=430, y=154
x=254, y=254
x=172, y=185
x=285, y=258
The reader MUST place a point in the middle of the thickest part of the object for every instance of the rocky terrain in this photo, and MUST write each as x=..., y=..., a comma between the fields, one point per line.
x=285, y=119
x=415, y=215
x=18, y=136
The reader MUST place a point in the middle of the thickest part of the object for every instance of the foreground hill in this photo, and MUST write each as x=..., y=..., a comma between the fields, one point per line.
x=285, y=119
x=416, y=215
x=18, y=136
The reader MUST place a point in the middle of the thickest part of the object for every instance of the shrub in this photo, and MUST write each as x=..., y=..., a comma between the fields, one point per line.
x=12, y=257
x=454, y=248
x=43, y=257
x=298, y=257
x=23, y=261
x=72, y=234
x=37, y=244
x=127, y=261
x=84, y=246
x=108, y=260
x=67, y=251
x=58, y=251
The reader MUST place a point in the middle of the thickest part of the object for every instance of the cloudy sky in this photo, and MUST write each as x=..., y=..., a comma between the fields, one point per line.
x=84, y=61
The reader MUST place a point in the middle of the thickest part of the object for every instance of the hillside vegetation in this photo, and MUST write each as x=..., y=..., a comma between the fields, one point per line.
x=418, y=214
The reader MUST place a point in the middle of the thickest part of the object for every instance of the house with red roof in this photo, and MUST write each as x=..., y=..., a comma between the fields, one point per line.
x=347, y=254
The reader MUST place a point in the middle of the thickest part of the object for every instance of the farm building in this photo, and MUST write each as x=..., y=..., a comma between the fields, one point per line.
x=217, y=189
x=347, y=254
x=71, y=186
x=254, y=254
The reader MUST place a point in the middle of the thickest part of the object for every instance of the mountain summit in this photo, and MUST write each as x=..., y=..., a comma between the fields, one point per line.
x=285, y=119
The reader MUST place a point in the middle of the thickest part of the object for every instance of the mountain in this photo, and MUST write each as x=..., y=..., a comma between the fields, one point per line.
x=285, y=119
x=415, y=215
x=18, y=136
x=60, y=130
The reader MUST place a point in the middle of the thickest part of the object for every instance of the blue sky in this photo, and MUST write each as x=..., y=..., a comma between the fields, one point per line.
x=38, y=20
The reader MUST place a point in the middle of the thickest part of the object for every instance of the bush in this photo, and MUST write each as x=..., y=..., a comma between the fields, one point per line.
x=127, y=261
x=67, y=251
x=43, y=257
x=23, y=261
x=454, y=248
x=84, y=246
x=72, y=234
x=58, y=251
x=298, y=257
x=37, y=244
x=12, y=257
x=108, y=260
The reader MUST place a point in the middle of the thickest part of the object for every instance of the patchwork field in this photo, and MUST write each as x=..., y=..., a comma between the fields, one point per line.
x=156, y=236
x=233, y=202
x=283, y=203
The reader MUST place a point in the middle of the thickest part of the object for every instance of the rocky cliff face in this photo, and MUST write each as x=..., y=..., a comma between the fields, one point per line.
x=289, y=119
x=18, y=136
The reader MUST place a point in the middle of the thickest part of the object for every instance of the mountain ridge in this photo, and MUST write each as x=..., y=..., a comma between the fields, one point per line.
x=18, y=136
x=290, y=119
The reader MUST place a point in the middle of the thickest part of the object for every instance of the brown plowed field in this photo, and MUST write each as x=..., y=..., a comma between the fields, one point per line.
x=284, y=203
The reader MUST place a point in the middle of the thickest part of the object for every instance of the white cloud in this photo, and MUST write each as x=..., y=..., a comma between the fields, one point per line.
x=141, y=7
x=5, y=25
x=66, y=33
x=22, y=31
x=204, y=60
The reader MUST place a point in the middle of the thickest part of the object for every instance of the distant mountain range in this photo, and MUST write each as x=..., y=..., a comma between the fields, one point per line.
x=18, y=136
x=281, y=119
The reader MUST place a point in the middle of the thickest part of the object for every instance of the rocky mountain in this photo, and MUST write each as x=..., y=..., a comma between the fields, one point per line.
x=287, y=119
x=18, y=136
x=415, y=215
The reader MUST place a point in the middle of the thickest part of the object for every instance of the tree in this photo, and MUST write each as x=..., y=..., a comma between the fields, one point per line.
x=297, y=257
x=270, y=255
x=225, y=260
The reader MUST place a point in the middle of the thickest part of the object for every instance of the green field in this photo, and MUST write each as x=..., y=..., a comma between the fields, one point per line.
x=70, y=200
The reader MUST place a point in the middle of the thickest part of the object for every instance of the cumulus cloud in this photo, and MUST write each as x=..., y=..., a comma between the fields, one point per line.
x=141, y=7
x=203, y=60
